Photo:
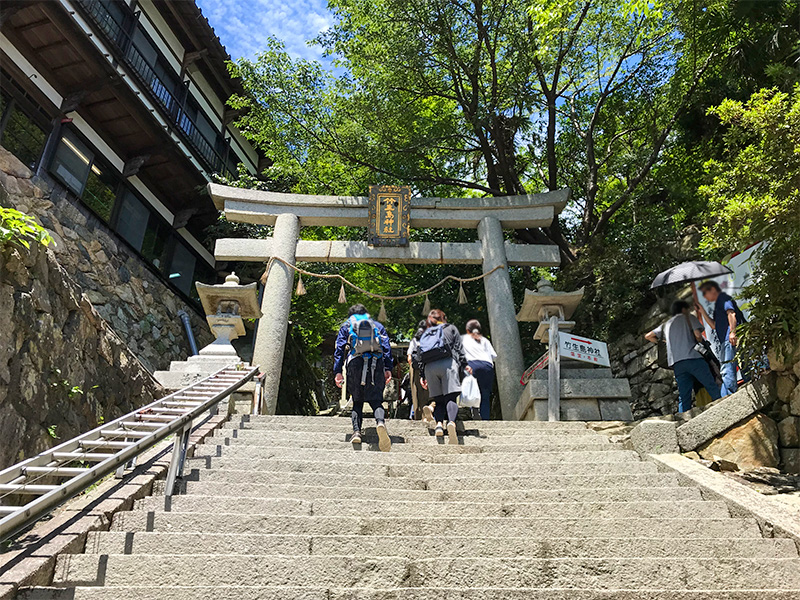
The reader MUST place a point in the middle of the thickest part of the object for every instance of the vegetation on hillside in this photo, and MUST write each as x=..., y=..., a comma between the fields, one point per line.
x=611, y=99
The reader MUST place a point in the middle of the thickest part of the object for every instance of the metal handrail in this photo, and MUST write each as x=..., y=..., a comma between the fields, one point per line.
x=147, y=426
x=155, y=85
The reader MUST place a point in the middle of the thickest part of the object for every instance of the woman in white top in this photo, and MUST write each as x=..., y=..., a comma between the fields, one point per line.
x=480, y=356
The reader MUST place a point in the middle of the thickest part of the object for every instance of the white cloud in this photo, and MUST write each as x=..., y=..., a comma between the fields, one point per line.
x=243, y=26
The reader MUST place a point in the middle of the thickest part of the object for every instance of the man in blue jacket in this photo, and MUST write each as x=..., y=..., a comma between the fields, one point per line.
x=727, y=317
x=364, y=353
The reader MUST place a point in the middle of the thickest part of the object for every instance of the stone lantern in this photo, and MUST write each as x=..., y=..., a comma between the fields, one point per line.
x=580, y=388
x=226, y=306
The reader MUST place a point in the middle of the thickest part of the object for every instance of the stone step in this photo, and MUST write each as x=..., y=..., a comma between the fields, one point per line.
x=344, y=571
x=424, y=445
x=349, y=455
x=242, y=461
x=433, y=510
x=279, y=490
x=245, y=478
x=422, y=437
x=670, y=527
x=112, y=542
x=404, y=593
x=406, y=428
x=338, y=422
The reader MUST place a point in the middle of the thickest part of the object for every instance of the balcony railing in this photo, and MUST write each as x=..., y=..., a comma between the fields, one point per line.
x=162, y=91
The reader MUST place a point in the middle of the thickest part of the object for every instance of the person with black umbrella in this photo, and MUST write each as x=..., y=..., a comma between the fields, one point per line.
x=681, y=333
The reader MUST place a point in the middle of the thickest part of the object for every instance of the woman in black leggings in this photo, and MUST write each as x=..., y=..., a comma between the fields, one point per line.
x=442, y=376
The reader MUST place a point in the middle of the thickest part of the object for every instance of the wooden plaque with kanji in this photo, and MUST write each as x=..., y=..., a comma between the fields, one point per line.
x=389, y=215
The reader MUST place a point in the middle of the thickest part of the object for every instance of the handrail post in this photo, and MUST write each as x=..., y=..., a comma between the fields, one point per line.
x=179, y=448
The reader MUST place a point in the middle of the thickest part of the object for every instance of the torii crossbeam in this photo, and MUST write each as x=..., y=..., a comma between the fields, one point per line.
x=288, y=212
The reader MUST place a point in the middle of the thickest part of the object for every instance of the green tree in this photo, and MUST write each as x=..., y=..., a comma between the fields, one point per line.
x=476, y=97
x=754, y=196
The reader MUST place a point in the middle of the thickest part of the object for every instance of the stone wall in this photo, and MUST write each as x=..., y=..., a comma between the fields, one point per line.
x=63, y=370
x=653, y=389
x=139, y=306
x=786, y=409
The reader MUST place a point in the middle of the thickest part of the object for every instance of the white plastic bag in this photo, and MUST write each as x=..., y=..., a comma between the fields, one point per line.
x=470, y=393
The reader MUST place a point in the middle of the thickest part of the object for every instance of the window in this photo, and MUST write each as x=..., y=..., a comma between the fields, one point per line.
x=132, y=220
x=181, y=268
x=72, y=162
x=99, y=194
x=20, y=135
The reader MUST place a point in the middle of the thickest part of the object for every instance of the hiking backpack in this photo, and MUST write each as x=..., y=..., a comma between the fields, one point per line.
x=364, y=338
x=432, y=345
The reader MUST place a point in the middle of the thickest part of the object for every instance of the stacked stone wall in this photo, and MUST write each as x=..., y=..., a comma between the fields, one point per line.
x=140, y=307
x=63, y=370
x=653, y=389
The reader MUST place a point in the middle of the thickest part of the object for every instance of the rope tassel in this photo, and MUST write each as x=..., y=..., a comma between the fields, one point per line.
x=382, y=313
x=342, y=296
x=426, y=308
x=301, y=289
x=462, y=296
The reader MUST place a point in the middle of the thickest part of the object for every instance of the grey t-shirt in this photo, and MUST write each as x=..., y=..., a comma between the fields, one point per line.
x=680, y=339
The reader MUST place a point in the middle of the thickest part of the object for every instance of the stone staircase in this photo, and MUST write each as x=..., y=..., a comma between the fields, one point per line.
x=285, y=508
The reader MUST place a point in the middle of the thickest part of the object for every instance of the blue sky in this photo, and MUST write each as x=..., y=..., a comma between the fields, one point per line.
x=244, y=25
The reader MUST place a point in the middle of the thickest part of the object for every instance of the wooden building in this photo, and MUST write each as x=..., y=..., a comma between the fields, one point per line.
x=122, y=102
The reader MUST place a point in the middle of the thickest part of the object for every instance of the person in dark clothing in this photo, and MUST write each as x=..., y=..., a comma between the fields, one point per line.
x=363, y=352
x=442, y=376
x=727, y=317
x=419, y=395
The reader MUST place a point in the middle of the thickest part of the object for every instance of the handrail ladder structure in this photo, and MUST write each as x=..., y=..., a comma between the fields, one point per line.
x=123, y=440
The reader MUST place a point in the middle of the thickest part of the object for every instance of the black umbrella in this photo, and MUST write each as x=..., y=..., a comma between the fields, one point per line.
x=690, y=271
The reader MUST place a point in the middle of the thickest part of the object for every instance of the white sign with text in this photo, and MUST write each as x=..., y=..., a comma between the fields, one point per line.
x=583, y=349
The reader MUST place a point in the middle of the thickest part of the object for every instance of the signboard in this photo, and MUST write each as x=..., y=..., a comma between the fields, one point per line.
x=583, y=349
x=389, y=215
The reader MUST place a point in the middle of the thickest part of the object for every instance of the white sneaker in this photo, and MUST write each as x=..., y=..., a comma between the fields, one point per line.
x=356, y=439
x=439, y=430
x=384, y=442
x=427, y=416
x=452, y=434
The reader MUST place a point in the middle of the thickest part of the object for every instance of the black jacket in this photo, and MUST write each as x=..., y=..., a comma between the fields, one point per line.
x=452, y=339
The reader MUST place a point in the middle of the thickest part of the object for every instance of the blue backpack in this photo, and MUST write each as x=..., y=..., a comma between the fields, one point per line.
x=364, y=338
x=432, y=345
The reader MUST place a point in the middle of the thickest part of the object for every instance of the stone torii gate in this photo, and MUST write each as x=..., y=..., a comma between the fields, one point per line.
x=288, y=212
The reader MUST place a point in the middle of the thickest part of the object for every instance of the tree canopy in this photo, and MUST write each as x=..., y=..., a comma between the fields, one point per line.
x=609, y=98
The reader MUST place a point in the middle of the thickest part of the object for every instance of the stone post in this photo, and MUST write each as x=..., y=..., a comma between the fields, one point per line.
x=502, y=315
x=275, y=305
x=554, y=373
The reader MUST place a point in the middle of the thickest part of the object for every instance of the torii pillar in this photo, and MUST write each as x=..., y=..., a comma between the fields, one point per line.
x=502, y=315
x=275, y=306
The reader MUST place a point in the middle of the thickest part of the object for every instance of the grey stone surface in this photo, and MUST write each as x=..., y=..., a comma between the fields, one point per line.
x=63, y=370
x=124, y=570
x=744, y=502
x=442, y=545
x=582, y=388
x=514, y=211
x=502, y=315
x=726, y=413
x=275, y=305
x=287, y=506
x=615, y=410
x=655, y=437
x=248, y=250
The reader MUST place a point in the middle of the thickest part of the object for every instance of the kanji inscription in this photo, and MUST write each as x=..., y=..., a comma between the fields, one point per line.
x=389, y=215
